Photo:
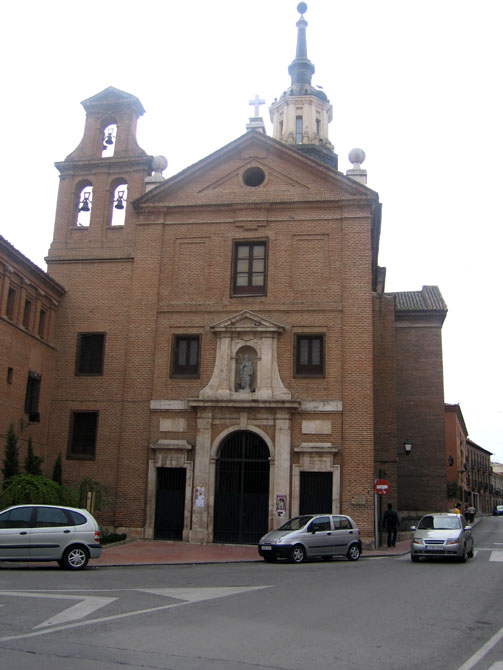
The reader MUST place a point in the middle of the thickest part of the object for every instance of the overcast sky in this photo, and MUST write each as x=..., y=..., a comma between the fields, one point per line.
x=417, y=85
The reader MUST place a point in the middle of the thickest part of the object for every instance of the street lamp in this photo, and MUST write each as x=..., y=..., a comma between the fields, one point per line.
x=407, y=445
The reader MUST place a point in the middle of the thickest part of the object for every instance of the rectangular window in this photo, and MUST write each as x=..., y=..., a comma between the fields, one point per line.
x=298, y=130
x=90, y=353
x=83, y=432
x=41, y=323
x=318, y=127
x=309, y=355
x=11, y=303
x=249, y=268
x=27, y=313
x=185, y=356
x=32, y=396
x=10, y=375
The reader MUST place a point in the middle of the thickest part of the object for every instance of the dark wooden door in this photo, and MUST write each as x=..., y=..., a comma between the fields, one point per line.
x=315, y=493
x=170, y=503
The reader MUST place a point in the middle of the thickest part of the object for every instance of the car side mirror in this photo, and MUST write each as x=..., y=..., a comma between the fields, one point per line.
x=413, y=528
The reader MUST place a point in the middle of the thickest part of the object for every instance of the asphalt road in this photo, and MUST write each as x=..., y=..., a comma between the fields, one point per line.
x=375, y=613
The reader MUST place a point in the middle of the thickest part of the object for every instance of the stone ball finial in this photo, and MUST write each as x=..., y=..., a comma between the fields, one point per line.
x=356, y=156
x=302, y=8
x=159, y=163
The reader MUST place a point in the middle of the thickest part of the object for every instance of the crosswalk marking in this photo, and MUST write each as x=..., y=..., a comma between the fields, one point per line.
x=496, y=556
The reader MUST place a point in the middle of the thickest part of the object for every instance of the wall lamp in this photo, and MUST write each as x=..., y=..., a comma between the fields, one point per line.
x=407, y=445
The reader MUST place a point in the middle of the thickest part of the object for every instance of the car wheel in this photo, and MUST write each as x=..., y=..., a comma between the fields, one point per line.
x=470, y=553
x=353, y=552
x=414, y=558
x=462, y=558
x=297, y=554
x=75, y=558
x=269, y=559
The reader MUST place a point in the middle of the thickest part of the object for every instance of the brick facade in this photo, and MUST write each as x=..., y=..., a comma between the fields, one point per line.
x=247, y=363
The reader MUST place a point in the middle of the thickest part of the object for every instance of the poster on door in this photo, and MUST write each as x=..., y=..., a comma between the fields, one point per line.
x=280, y=505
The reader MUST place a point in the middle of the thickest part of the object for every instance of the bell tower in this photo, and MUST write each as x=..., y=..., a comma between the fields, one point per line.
x=99, y=180
x=301, y=115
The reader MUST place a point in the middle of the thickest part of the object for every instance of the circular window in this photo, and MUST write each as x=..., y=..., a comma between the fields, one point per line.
x=253, y=176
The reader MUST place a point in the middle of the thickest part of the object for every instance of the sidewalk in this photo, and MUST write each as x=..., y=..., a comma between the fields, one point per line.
x=156, y=552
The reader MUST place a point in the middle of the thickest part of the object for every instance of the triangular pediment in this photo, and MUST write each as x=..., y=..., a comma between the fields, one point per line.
x=246, y=322
x=287, y=174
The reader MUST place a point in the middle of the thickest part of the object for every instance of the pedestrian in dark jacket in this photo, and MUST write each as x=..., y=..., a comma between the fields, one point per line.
x=390, y=522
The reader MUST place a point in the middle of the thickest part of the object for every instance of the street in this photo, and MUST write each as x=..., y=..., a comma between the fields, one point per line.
x=373, y=613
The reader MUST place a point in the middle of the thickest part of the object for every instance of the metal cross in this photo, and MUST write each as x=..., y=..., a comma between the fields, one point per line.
x=257, y=102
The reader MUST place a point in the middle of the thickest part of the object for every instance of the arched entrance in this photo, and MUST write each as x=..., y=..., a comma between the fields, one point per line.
x=241, y=489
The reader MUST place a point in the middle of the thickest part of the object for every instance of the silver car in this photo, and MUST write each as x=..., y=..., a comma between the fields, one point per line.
x=442, y=535
x=49, y=533
x=310, y=536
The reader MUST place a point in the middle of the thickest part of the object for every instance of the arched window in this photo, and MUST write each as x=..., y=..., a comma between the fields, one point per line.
x=119, y=203
x=84, y=205
x=109, y=138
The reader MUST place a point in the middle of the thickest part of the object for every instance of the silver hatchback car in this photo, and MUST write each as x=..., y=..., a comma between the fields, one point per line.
x=442, y=535
x=67, y=535
x=310, y=536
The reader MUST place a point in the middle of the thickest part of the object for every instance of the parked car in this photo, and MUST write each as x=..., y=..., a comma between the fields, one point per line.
x=310, y=536
x=49, y=533
x=441, y=535
x=498, y=510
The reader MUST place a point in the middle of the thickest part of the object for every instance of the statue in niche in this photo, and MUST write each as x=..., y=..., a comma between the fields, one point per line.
x=246, y=374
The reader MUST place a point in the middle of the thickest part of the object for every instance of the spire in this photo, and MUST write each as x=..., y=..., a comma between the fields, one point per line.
x=301, y=115
x=301, y=69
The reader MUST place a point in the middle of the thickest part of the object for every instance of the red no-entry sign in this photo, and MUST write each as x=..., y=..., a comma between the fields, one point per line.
x=381, y=486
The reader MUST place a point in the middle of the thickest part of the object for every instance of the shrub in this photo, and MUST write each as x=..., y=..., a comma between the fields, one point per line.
x=26, y=489
x=32, y=463
x=11, y=461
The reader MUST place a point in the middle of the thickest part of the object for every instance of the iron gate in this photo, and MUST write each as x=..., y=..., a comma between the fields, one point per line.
x=241, y=489
x=170, y=503
x=315, y=492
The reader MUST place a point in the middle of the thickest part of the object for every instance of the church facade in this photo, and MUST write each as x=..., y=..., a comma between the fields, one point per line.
x=227, y=355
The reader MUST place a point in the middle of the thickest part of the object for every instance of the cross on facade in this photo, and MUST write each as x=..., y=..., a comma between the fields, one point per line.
x=256, y=102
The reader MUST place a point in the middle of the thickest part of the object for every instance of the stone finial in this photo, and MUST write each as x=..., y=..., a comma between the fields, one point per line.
x=356, y=157
x=159, y=164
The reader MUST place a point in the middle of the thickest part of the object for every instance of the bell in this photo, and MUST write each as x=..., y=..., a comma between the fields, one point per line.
x=109, y=139
x=85, y=206
x=120, y=200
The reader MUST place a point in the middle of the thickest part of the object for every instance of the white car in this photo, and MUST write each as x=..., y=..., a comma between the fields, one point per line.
x=67, y=535
x=441, y=535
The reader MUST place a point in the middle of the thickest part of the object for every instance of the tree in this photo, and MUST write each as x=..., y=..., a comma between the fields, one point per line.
x=11, y=461
x=32, y=463
x=57, y=471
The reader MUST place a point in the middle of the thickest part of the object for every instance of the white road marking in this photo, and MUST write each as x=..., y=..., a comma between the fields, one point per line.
x=485, y=649
x=88, y=605
x=497, y=666
x=496, y=556
x=197, y=595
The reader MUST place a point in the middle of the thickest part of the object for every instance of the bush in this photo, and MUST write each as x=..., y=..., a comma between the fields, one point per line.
x=26, y=489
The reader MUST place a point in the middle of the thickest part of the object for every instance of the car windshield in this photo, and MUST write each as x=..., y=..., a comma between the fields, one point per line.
x=296, y=523
x=439, y=523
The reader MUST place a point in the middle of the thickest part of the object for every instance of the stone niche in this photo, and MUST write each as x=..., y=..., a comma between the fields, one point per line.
x=246, y=365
